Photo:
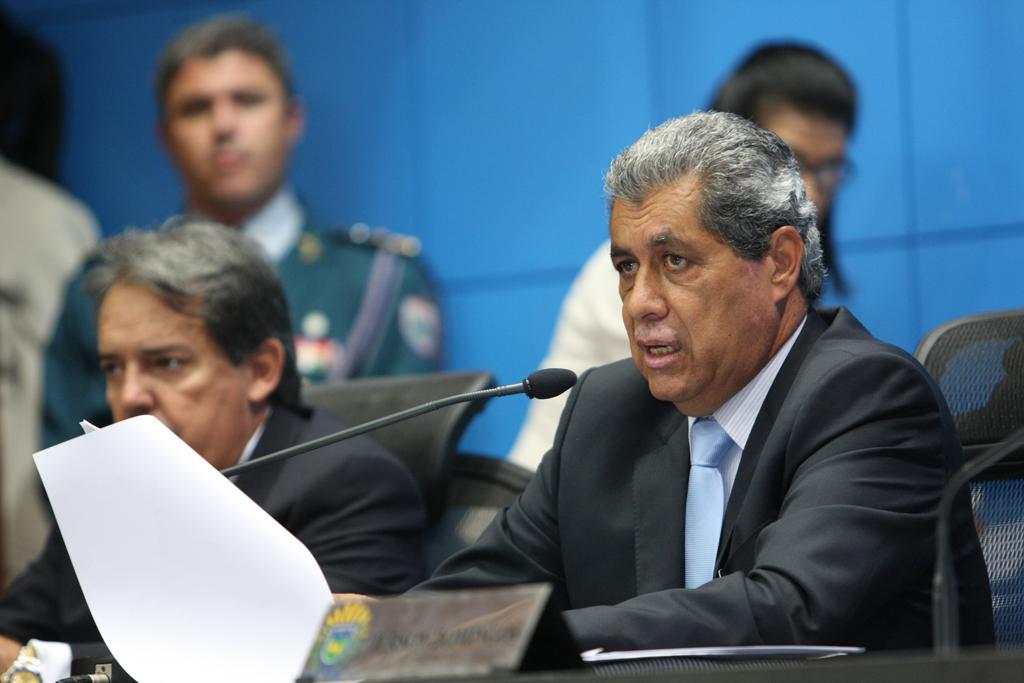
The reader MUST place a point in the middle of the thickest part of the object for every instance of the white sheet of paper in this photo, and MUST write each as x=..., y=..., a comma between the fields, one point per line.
x=185, y=575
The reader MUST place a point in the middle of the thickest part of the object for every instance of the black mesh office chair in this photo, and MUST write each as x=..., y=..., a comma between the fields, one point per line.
x=462, y=492
x=978, y=362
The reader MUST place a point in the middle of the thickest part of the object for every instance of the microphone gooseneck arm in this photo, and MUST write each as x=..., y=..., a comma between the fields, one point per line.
x=541, y=384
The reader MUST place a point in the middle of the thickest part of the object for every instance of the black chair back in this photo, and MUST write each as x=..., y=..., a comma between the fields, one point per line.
x=978, y=363
x=426, y=443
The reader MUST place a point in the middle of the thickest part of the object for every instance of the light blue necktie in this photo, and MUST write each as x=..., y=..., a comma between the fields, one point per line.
x=705, y=499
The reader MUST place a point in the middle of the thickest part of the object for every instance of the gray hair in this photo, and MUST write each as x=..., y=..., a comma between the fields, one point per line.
x=210, y=38
x=750, y=183
x=213, y=272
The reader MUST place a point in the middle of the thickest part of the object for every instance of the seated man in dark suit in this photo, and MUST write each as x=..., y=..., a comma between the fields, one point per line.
x=194, y=330
x=760, y=472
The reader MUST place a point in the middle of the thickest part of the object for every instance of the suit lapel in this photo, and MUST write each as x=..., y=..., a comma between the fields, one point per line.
x=659, y=508
x=282, y=430
x=763, y=426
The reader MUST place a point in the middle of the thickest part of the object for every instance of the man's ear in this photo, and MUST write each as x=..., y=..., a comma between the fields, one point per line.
x=295, y=119
x=785, y=255
x=163, y=133
x=265, y=365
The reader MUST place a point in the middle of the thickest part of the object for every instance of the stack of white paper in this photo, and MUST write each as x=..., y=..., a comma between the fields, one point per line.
x=187, y=578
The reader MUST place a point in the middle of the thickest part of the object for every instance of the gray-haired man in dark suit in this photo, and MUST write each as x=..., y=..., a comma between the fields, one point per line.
x=813, y=522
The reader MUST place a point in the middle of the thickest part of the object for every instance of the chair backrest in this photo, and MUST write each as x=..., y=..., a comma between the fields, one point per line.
x=480, y=487
x=426, y=443
x=999, y=515
x=978, y=363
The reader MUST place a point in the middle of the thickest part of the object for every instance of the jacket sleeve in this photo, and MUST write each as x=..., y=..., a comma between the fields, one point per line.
x=30, y=608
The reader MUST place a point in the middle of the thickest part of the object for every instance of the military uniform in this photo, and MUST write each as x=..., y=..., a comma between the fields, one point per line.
x=361, y=304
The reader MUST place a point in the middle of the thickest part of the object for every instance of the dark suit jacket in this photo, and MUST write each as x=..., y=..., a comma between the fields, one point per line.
x=353, y=504
x=828, y=535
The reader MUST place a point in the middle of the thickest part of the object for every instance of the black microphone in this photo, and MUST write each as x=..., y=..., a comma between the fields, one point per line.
x=945, y=595
x=546, y=383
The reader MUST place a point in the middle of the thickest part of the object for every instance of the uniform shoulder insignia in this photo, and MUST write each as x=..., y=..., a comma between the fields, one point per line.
x=310, y=247
x=381, y=238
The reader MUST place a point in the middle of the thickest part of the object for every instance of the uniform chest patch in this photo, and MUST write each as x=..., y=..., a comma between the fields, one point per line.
x=316, y=358
x=420, y=324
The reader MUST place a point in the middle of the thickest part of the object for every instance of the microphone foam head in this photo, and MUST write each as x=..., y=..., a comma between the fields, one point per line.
x=549, y=382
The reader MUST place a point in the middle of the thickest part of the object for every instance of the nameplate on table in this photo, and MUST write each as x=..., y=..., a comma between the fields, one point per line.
x=439, y=634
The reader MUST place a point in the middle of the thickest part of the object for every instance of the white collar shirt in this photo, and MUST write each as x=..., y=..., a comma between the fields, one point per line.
x=737, y=415
x=278, y=225
x=250, y=445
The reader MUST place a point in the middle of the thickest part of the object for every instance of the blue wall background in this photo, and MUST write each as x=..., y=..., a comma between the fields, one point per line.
x=484, y=127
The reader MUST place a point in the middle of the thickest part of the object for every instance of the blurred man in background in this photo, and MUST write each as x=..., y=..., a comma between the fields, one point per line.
x=361, y=302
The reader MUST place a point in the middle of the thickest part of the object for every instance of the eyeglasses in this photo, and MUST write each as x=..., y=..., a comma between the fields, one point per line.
x=829, y=175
